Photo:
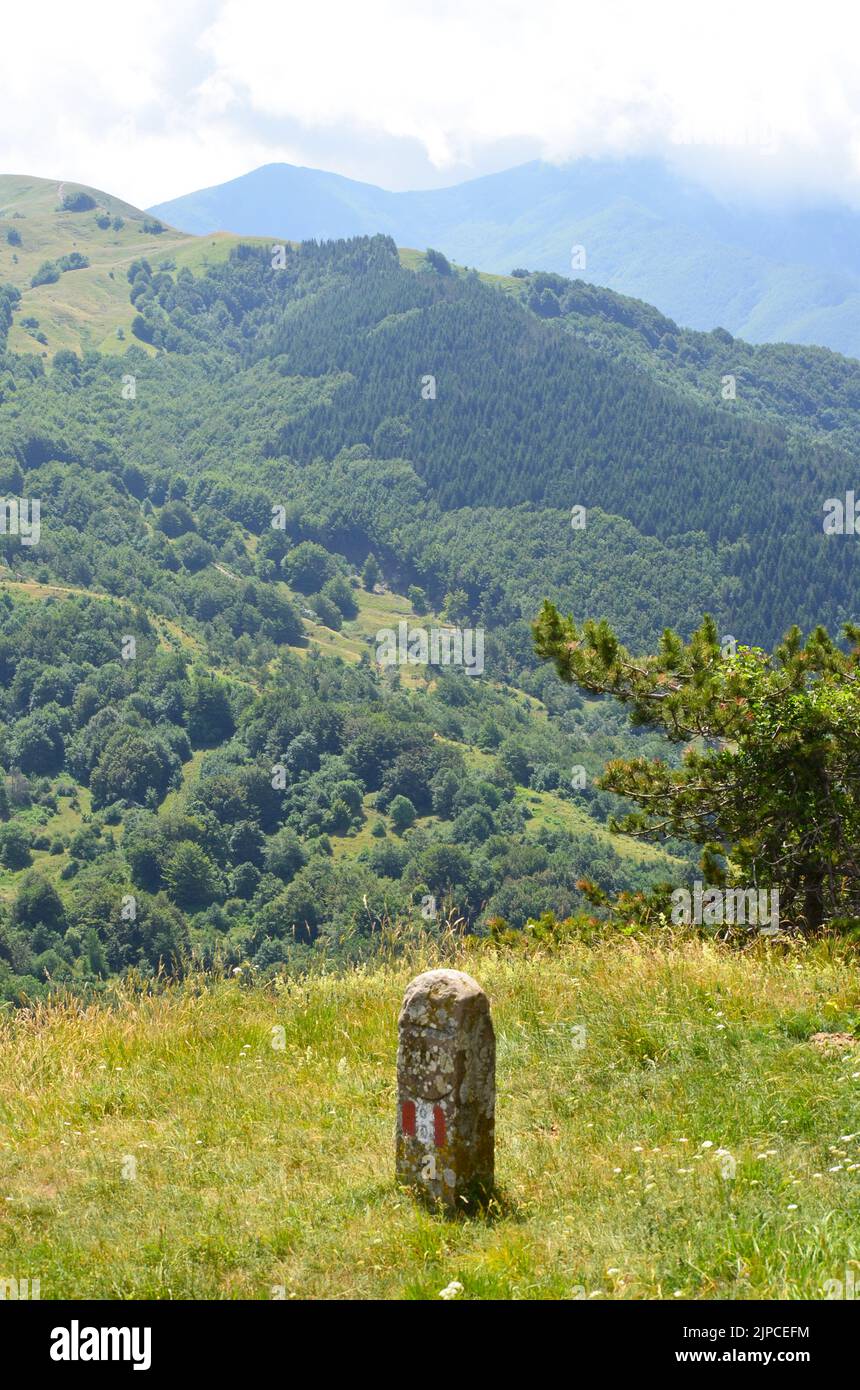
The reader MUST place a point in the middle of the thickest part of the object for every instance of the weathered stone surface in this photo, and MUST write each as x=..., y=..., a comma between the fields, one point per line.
x=446, y=1088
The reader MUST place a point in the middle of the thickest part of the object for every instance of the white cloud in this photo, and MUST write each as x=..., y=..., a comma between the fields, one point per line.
x=156, y=98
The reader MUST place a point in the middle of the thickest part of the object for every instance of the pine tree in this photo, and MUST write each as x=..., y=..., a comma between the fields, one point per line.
x=769, y=783
x=371, y=574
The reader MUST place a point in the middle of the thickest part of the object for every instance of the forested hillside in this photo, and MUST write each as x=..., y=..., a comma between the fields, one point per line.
x=302, y=447
x=788, y=272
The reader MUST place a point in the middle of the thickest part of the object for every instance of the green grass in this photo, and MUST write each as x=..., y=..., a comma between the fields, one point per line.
x=84, y=308
x=552, y=812
x=357, y=637
x=259, y=1169
x=174, y=800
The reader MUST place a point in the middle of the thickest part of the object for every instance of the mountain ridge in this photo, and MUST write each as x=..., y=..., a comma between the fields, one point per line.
x=785, y=274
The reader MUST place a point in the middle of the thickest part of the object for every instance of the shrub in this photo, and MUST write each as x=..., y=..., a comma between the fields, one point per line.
x=328, y=613
x=418, y=598
x=38, y=903
x=307, y=567
x=284, y=855
x=191, y=877
x=176, y=517
x=402, y=813
x=78, y=202
x=47, y=274
x=194, y=552
x=371, y=574
x=339, y=592
x=14, y=846
x=141, y=329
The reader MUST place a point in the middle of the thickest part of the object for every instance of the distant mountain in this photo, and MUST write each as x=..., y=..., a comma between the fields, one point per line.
x=767, y=274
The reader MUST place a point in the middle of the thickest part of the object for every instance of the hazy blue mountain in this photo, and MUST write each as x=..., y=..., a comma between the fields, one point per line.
x=766, y=273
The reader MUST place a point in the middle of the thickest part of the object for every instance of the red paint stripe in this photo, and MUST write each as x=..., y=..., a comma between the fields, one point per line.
x=439, y=1126
x=407, y=1117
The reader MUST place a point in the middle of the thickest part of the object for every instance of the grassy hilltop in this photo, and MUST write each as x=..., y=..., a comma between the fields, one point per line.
x=84, y=308
x=267, y=1173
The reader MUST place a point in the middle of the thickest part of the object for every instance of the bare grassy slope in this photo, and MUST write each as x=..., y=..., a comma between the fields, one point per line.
x=84, y=308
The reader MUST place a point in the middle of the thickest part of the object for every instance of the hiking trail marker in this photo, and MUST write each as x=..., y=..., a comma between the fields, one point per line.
x=446, y=1088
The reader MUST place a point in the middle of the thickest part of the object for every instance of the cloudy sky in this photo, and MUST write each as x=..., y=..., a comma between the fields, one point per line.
x=152, y=99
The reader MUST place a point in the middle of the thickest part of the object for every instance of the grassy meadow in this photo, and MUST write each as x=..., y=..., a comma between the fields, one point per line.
x=158, y=1145
x=85, y=308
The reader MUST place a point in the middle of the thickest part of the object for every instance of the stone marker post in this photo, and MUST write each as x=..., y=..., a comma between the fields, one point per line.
x=446, y=1088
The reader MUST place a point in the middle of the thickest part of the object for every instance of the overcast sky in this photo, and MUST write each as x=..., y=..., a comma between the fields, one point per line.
x=153, y=98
